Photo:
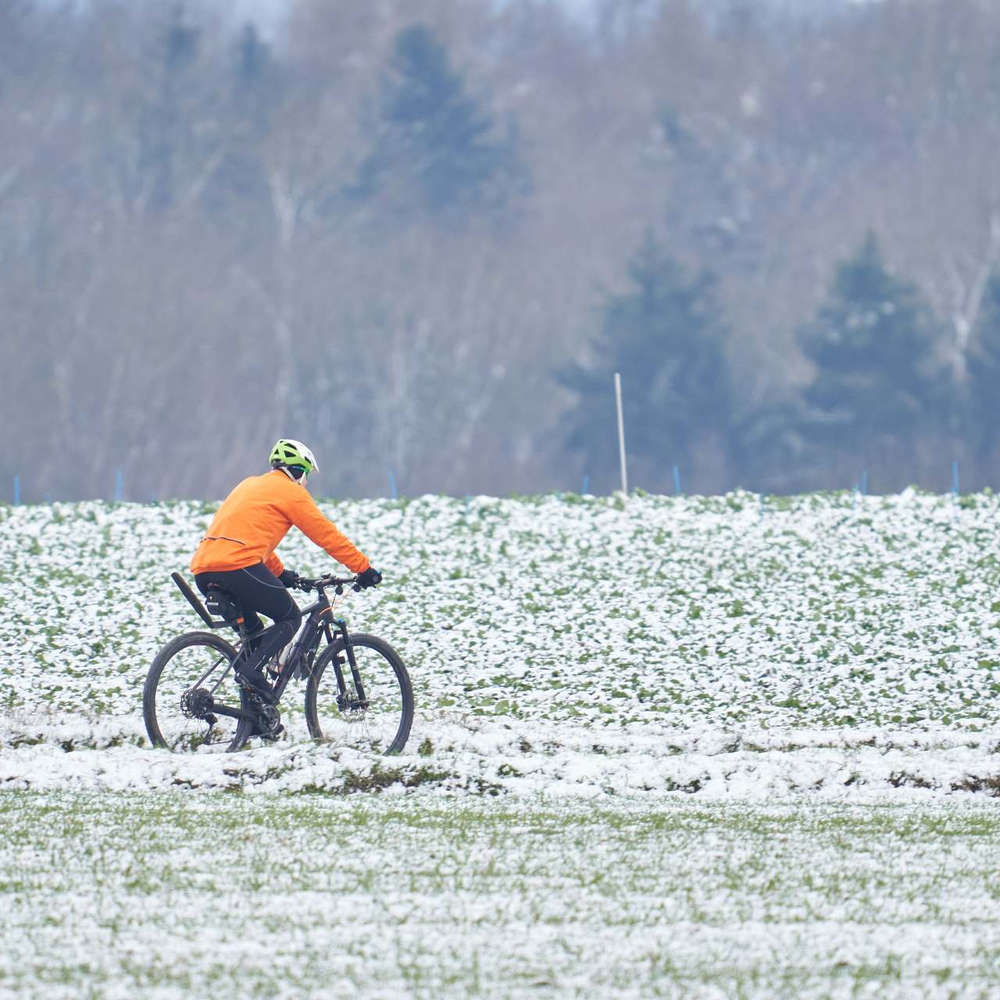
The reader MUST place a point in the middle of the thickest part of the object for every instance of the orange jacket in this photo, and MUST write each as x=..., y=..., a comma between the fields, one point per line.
x=255, y=517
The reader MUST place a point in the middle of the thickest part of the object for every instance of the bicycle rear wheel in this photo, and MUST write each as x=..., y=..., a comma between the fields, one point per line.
x=335, y=711
x=186, y=676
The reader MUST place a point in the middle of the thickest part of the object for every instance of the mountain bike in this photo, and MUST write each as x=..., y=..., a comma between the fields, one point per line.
x=358, y=692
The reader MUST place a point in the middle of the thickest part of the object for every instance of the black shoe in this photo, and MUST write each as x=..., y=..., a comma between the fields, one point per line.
x=255, y=681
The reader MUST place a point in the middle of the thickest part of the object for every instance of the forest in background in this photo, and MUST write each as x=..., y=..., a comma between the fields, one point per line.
x=422, y=235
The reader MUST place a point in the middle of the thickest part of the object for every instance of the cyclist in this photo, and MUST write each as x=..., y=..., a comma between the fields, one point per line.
x=237, y=555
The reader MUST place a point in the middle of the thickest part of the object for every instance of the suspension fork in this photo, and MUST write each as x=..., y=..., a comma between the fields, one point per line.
x=359, y=687
x=337, y=663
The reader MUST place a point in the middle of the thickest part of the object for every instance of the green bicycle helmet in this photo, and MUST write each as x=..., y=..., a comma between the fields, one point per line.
x=288, y=453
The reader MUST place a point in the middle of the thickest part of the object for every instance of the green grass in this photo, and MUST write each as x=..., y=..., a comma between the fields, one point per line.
x=881, y=610
x=567, y=646
x=260, y=896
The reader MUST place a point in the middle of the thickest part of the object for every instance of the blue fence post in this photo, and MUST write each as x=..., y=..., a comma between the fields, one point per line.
x=586, y=483
x=864, y=482
x=761, y=509
x=118, y=486
x=677, y=480
x=392, y=485
x=17, y=490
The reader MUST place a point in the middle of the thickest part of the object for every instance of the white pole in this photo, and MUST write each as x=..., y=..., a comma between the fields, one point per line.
x=621, y=431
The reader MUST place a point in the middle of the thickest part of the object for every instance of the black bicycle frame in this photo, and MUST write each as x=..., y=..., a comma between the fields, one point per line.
x=320, y=623
x=308, y=642
x=317, y=625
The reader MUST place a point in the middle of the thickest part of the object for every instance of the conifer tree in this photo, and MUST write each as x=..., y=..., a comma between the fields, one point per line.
x=256, y=93
x=164, y=128
x=877, y=382
x=665, y=335
x=256, y=79
x=982, y=396
x=431, y=133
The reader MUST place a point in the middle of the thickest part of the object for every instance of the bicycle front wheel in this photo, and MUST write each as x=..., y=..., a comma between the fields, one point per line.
x=189, y=676
x=371, y=710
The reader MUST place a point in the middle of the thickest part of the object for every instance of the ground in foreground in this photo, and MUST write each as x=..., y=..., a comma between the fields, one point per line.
x=174, y=893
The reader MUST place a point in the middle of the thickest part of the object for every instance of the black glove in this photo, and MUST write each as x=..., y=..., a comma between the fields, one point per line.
x=370, y=578
x=289, y=578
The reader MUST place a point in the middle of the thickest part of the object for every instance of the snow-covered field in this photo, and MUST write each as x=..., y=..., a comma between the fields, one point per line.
x=676, y=746
x=831, y=644
x=180, y=895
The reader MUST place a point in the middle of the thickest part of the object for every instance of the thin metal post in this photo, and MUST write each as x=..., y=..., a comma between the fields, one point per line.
x=392, y=485
x=621, y=432
x=118, y=486
x=954, y=490
x=586, y=483
x=677, y=479
x=17, y=490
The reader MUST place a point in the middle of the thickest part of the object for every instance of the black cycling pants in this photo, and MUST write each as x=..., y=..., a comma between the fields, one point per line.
x=258, y=590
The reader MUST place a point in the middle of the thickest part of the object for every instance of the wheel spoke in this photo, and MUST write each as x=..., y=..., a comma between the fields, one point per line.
x=189, y=676
x=378, y=725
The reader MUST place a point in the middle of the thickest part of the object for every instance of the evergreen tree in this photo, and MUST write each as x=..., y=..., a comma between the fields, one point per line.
x=180, y=42
x=877, y=383
x=239, y=184
x=252, y=57
x=164, y=128
x=770, y=452
x=982, y=395
x=257, y=83
x=430, y=132
x=665, y=336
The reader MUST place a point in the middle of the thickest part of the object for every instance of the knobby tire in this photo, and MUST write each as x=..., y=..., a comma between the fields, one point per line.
x=153, y=677
x=392, y=661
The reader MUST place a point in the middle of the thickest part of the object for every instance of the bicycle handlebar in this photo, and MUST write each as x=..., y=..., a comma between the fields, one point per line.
x=319, y=582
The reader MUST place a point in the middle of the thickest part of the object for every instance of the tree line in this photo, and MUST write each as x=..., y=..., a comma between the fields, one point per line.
x=882, y=394
x=422, y=236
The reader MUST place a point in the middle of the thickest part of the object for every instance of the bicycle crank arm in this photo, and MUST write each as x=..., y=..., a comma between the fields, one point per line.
x=233, y=713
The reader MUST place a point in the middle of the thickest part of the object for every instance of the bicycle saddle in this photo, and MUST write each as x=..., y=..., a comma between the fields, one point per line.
x=222, y=603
